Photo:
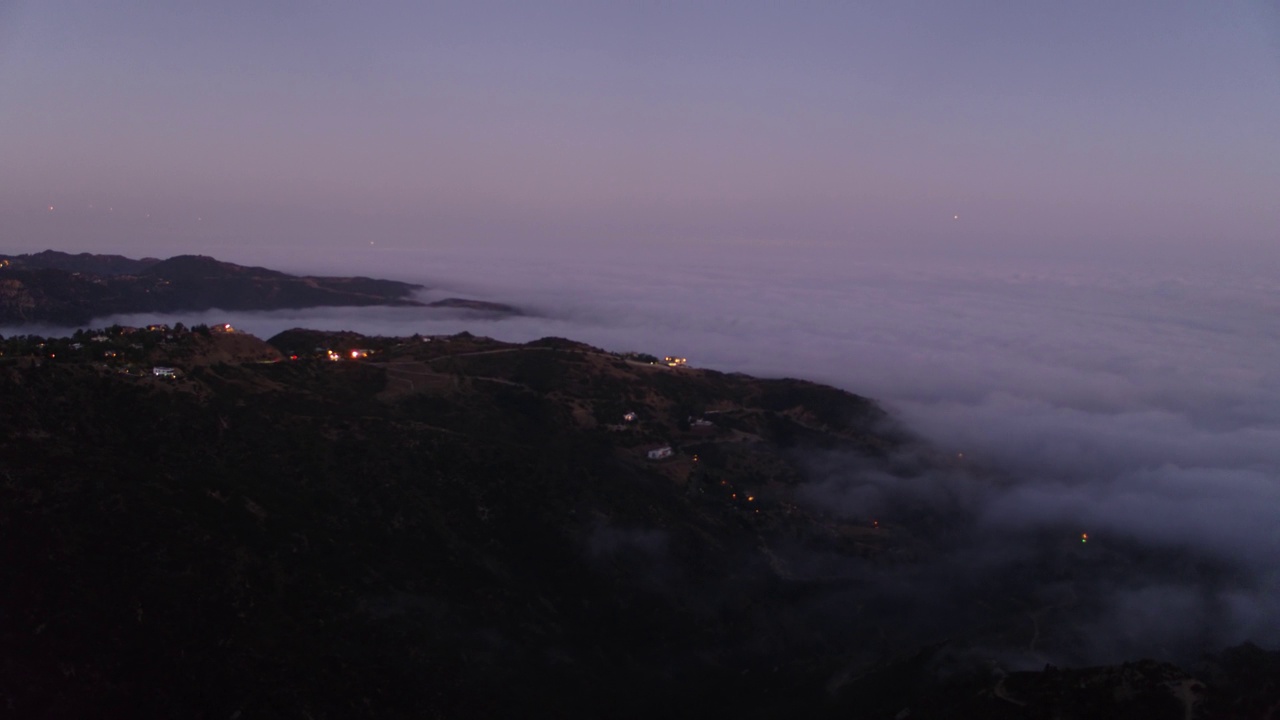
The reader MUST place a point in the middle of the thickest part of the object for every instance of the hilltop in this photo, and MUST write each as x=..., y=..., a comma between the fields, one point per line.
x=60, y=288
x=335, y=525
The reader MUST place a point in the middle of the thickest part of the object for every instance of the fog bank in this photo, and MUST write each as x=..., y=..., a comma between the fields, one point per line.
x=1138, y=405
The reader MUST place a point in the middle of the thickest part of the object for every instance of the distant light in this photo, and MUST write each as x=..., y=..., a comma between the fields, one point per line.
x=955, y=217
x=1084, y=537
x=50, y=208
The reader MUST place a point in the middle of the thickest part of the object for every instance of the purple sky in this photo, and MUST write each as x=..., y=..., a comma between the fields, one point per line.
x=728, y=182
x=1084, y=129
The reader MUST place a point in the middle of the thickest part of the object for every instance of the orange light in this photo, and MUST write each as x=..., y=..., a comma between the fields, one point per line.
x=751, y=498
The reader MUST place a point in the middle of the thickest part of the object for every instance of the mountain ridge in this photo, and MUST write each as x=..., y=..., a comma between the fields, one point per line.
x=60, y=288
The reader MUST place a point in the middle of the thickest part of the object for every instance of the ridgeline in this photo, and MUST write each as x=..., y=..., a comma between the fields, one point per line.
x=71, y=290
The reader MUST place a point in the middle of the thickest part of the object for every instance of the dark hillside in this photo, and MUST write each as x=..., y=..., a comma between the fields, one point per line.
x=459, y=527
x=87, y=263
x=186, y=268
x=54, y=287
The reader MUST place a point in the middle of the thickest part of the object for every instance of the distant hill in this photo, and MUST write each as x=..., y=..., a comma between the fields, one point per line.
x=479, y=305
x=58, y=288
x=106, y=265
x=197, y=523
x=191, y=268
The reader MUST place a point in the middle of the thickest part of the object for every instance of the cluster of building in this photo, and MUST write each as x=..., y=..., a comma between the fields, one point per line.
x=664, y=451
x=335, y=355
x=669, y=360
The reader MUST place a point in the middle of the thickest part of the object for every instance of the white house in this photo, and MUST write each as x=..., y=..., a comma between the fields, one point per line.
x=660, y=453
x=159, y=371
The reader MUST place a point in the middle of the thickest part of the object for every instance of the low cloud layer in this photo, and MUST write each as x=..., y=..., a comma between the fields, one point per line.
x=1142, y=407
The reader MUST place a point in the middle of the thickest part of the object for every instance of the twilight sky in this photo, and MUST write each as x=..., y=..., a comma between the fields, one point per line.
x=1057, y=130
x=728, y=182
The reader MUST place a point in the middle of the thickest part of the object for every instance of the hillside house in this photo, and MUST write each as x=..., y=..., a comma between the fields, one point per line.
x=673, y=361
x=630, y=417
x=160, y=371
x=661, y=453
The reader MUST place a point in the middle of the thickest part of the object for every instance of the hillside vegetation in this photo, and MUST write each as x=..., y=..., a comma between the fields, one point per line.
x=332, y=526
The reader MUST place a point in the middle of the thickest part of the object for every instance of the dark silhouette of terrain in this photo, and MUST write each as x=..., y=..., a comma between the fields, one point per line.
x=59, y=288
x=197, y=523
